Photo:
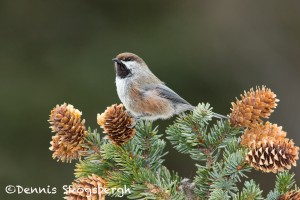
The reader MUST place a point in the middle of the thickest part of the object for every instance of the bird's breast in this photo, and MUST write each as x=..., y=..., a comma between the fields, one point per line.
x=122, y=86
x=127, y=93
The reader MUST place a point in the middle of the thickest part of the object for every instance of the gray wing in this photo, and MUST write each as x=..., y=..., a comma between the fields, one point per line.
x=165, y=92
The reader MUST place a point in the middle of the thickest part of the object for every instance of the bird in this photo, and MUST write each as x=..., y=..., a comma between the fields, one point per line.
x=144, y=95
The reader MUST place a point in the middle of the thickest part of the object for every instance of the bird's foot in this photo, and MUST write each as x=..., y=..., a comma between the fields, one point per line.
x=135, y=119
x=132, y=125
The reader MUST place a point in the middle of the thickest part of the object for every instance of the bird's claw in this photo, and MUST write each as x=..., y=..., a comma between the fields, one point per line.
x=135, y=119
x=133, y=124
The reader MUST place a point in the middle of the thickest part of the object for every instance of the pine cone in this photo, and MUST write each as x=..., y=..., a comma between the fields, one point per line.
x=87, y=188
x=71, y=131
x=117, y=124
x=269, y=150
x=291, y=195
x=253, y=105
x=272, y=155
x=262, y=131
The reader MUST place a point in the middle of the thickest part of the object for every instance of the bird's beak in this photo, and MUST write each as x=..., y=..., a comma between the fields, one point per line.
x=117, y=60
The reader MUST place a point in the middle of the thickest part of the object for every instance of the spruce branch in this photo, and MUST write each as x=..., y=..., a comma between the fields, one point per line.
x=186, y=133
x=219, y=194
x=221, y=181
x=284, y=182
x=150, y=143
x=219, y=139
x=139, y=164
x=273, y=195
x=235, y=165
x=202, y=181
x=251, y=191
x=92, y=143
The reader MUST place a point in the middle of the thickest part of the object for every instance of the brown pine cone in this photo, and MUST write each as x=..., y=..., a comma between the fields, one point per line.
x=260, y=131
x=70, y=131
x=117, y=124
x=291, y=195
x=87, y=188
x=253, y=105
x=273, y=155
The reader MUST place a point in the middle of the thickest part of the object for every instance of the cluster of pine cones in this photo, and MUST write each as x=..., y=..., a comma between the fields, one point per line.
x=68, y=143
x=269, y=149
x=70, y=130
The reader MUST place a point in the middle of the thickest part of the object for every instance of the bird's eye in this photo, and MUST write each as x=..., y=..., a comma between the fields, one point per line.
x=127, y=59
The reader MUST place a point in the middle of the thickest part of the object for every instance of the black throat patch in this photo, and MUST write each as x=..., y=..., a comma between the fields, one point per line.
x=122, y=71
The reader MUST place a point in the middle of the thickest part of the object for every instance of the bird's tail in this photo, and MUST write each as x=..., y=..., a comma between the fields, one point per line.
x=216, y=115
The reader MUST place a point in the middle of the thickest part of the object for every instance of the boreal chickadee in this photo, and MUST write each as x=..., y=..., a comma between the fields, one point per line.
x=143, y=94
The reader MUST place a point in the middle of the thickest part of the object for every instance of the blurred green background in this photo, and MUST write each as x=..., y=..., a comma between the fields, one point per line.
x=208, y=51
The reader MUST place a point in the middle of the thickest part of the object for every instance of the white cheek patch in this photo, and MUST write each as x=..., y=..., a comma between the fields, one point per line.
x=129, y=64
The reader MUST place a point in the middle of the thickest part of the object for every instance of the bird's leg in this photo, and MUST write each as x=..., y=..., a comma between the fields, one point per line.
x=135, y=119
x=129, y=113
x=133, y=123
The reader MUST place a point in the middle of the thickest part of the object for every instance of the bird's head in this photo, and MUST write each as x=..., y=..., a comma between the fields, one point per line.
x=129, y=64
